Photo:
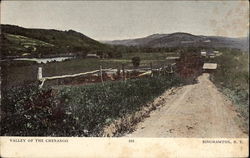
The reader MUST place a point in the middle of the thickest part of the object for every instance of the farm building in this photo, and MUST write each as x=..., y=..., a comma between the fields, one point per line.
x=207, y=41
x=203, y=53
x=92, y=56
x=209, y=67
x=210, y=53
x=217, y=53
x=172, y=58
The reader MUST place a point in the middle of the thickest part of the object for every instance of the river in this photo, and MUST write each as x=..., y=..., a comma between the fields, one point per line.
x=44, y=60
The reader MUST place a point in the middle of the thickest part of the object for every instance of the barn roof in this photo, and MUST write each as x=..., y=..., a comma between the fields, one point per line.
x=210, y=66
x=91, y=54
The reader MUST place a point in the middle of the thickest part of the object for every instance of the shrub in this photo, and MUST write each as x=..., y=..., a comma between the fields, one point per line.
x=136, y=61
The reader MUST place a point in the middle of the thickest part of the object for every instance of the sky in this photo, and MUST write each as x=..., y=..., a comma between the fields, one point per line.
x=112, y=20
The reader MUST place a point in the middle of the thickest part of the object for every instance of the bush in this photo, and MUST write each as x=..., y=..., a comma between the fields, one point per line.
x=136, y=61
x=77, y=111
x=26, y=110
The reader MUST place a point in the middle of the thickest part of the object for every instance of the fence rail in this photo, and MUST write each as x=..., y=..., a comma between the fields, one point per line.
x=110, y=71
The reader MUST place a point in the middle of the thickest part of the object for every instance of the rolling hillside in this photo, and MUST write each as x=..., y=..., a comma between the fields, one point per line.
x=19, y=41
x=180, y=39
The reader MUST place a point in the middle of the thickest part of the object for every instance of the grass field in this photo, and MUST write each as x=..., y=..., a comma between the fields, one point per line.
x=22, y=43
x=16, y=75
x=149, y=56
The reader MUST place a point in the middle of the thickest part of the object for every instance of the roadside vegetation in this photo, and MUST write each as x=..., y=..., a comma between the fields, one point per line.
x=232, y=77
x=77, y=110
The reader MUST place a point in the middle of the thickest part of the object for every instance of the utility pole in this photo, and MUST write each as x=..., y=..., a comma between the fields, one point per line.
x=151, y=68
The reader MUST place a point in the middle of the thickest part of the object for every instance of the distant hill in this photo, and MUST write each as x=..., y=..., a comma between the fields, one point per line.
x=19, y=41
x=180, y=39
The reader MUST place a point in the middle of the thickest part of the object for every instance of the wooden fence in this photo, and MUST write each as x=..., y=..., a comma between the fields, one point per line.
x=100, y=72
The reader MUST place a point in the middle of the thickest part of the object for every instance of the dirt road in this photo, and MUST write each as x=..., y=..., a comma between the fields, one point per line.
x=197, y=110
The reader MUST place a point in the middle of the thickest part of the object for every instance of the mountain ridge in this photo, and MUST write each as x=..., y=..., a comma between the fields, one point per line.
x=182, y=39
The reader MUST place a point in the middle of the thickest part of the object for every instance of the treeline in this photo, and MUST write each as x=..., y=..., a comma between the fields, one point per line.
x=180, y=49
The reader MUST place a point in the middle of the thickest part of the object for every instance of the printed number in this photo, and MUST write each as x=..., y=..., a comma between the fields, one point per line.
x=131, y=140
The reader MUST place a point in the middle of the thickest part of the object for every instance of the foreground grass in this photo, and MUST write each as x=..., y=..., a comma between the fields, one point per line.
x=77, y=110
x=232, y=77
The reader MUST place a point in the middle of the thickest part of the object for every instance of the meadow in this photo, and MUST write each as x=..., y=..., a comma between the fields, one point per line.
x=26, y=72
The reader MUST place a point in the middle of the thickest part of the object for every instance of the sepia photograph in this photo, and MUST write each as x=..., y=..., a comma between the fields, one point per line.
x=133, y=71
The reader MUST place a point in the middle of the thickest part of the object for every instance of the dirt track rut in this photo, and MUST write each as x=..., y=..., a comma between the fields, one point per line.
x=197, y=110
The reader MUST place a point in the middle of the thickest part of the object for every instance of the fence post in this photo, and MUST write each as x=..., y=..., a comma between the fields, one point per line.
x=164, y=72
x=40, y=73
x=123, y=72
x=101, y=74
x=40, y=77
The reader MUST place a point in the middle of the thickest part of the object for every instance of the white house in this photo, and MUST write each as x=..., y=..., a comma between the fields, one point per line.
x=92, y=56
x=209, y=67
x=203, y=53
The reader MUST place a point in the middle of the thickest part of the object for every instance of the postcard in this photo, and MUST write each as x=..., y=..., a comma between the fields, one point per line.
x=124, y=78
